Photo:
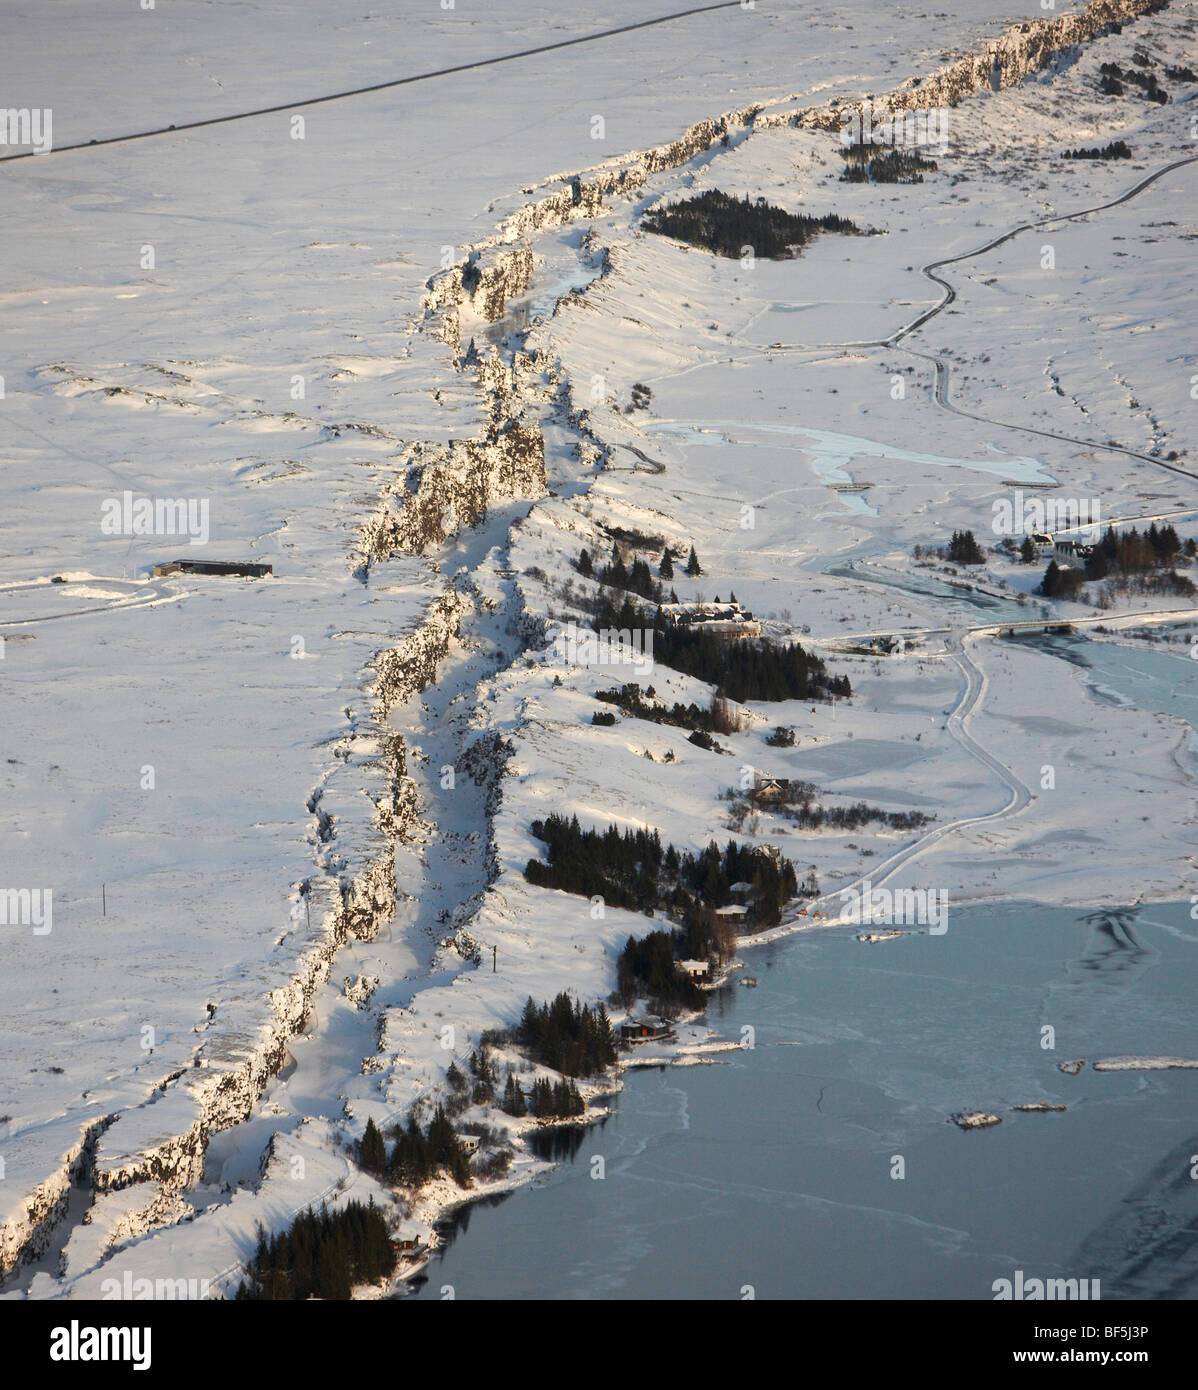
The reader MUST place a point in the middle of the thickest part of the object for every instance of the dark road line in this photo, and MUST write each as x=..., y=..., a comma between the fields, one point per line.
x=940, y=387
x=376, y=86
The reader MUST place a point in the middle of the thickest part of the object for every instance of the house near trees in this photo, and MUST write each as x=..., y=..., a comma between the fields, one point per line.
x=646, y=1029
x=718, y=619
x=771, y=791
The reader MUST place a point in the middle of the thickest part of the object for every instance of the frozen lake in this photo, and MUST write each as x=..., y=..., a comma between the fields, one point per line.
x=773, y=1168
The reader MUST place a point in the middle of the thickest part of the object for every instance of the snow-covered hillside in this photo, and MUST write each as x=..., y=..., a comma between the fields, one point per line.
x=390, y=351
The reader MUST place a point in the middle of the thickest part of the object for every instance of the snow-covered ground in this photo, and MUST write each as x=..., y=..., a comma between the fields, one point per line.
x=201, y=769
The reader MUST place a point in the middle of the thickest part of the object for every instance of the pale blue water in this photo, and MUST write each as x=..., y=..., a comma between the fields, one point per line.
x=832, y=452
x=773, y=1169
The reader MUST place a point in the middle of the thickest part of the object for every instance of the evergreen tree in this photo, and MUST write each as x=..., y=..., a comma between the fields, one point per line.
x=585, y=567
x=1052, y=585
x=372, y=1152
x=513, y=1098
x=1027, y=551
x=666, y=569
x=322, y=1255
x=963, y=549
x=693, y=568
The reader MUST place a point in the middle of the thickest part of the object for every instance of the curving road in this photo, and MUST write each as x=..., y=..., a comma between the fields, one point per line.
x=128, y=594
x=940, y=388
x=1019, y=795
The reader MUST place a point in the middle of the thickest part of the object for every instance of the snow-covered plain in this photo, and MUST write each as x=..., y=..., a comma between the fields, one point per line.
x=203, y=747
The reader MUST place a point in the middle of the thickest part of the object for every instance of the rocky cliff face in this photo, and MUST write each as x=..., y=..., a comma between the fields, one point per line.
x=445, y=488
x=233, y=1069
x=28, y=1235
x=160, y=1145
x=488, y=278
x=1020, y=51
x=402, y=671
x=495, y=271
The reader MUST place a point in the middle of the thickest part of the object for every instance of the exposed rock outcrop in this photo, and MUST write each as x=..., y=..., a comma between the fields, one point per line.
x=446, y=488
x=487, y=281
x=1021, y=49
x=28, y=1234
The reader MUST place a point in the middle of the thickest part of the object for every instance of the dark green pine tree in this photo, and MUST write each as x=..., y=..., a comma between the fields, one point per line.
x=529, y=1021
x=693, y=567
x=585, y=567
x=1051, y=581
x=372, y=1152
x=1027, y=551
x=666, y=568
x=513, y=1098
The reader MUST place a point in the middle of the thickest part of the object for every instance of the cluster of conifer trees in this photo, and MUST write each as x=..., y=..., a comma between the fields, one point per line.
x=1131, y=552
x=725, y=225
x=547, y=1100
x=629, y=700
x=963, y=549
x=568, y=1036
x=1113, y=78
x=631, y=869
x=744, y=668
x=1117, y=149
x=646, y=968
x=1061, y=582
x=417, y=1155
x=322, y=1255
x=747, y=668
x=1122, y=557
x=637, y=578
x=711, y=874
x=869, y=164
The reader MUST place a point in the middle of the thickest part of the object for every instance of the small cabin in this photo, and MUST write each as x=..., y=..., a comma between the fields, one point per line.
x=771, y=791
x=468, y=1143
x=736, y=911
x=648, y=1029
x=696, y=971
x=408, y=1245
x=716, y=619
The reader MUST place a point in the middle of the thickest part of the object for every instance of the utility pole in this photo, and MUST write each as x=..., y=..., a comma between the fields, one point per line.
x=494, y=959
